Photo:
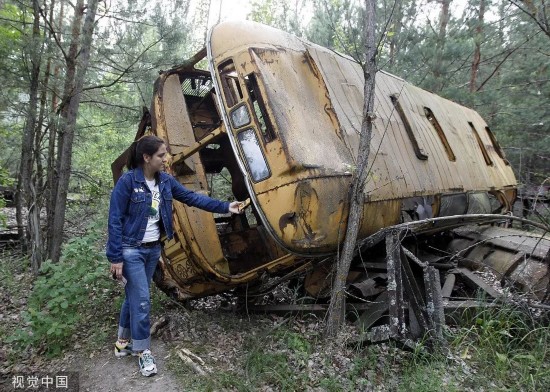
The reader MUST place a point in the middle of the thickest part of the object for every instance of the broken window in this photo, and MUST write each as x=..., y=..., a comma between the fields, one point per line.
x=198, y=92
x=486, y=156
x=496, y=145
x=419, y=152
x=257, y=166
x=453, y=204
x=196, y=85
x=260, y=111
x=230, y=83
x=240, y=116
x=431, y=118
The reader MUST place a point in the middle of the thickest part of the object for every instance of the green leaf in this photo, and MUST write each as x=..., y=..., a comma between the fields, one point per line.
x=501, y=357
x=528, y=357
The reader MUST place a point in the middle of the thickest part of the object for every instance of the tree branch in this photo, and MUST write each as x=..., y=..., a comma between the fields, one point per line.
x=126, y=70
x=542, y=25
x=53, y=33
x=496, y=69
x=92, y=101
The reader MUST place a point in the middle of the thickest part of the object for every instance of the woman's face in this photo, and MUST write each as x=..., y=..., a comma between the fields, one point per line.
x=156, y=161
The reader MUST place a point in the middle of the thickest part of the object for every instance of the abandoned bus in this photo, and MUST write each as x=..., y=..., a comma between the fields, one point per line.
x=279, y=119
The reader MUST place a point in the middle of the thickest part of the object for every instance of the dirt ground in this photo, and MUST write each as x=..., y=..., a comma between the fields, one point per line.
x=101, y=371
x=106, y=373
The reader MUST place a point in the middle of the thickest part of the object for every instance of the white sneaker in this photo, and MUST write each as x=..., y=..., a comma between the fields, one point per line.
x=147, y=365
x=123, y=349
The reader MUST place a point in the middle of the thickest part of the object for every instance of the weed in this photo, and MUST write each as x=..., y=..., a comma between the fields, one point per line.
x=509, y=347
x=5, y=180
x=159, y=300
x=62, y=294
x=267, y=367
x=362, y=363
x=331, y=384
x=426, y=378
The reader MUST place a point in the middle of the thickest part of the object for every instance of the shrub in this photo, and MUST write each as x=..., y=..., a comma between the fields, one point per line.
x=62, y=294
x=5, y=180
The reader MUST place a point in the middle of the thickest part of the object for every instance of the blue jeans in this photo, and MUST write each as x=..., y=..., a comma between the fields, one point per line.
x=139, y=266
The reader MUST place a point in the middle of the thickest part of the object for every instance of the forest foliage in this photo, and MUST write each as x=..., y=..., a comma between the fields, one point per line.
x=491, y=55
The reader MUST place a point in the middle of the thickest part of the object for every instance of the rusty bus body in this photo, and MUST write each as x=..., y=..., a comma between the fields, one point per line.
x=283, y=116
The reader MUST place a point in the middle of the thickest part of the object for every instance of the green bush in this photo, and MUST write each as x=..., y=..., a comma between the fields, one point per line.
x=62, y=294
x=5, y=180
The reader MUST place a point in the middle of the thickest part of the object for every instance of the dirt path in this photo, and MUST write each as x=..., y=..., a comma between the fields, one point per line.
x=106, y=373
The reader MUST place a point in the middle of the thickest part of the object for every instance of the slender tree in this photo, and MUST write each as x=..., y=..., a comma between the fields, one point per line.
x=55, y=234
x=201, y=20
x=444, y=17
x=79, y=62
x=356, y=195
x=26, y=188
x=396, y=29
x=478, y=38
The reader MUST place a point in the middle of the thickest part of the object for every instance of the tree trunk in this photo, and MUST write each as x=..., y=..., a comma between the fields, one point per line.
x=68, y=129
x=41, y=127
x=25, y=187
x=21, y=232
x=70, y=60
x=444, y=16
x=477, y=51
x=357, y=196
x=396, y=30
x=202, y=17
x=52, y=138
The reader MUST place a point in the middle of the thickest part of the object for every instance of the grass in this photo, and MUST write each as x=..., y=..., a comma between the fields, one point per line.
x=496, y=349
x=503, y=349
x=509, y=346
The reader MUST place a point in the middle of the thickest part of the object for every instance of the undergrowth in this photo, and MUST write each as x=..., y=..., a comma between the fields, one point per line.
x=5, y=180
x=498, y=349
x=64, y=296
x=494, y=349
x=510, y=346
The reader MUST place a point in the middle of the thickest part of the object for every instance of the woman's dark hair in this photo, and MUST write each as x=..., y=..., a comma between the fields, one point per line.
x=146, y=145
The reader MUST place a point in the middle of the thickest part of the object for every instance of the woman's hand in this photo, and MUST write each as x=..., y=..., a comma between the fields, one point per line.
x=116, y=270
x=236, y=207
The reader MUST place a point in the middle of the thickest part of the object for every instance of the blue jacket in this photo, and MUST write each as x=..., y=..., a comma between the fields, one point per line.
x=130, y=205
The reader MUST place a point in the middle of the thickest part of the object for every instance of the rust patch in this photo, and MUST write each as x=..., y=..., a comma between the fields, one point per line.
x=285, y=220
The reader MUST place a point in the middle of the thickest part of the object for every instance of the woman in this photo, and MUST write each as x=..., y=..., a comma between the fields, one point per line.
x=140, y=209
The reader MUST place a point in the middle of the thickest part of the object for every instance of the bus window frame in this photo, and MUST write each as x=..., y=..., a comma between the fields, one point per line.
x=230, y=83
x=246, y=157
x=255, y=96
x=233, y=110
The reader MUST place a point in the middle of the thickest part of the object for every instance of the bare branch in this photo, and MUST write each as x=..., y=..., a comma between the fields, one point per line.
x=91, y=101
x=53, y=33
x=126, y=70
x=496, y=69
x=543, y=25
